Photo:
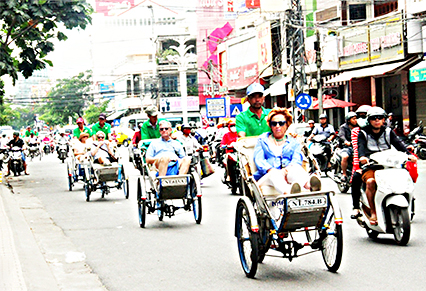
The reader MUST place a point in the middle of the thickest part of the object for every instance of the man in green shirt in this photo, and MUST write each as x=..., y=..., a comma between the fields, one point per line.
x=102, y=126
x=29, y=131
x=80, y=128
x=150, y=129
x=252, y=122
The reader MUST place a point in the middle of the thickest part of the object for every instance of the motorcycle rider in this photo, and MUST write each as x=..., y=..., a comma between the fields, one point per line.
x=190, y=144
x=373, y=138
x=231, y=136
x=62, y=138
x=356, y=181
x=326, y=129
x=311, y=124
x=252, y=122
x=17, y=142
x=345, y=137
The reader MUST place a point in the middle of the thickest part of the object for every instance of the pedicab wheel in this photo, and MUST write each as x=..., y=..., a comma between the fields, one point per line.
x=69, y=178
x=87, y=191
x=160, y=210
x=197, y=209
x=141, y=206
x=125, y=182
x=248, y=241
x=401, y=225
x=332, y=245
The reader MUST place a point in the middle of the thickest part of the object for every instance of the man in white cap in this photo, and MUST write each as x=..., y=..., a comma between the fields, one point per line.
x=252, y=122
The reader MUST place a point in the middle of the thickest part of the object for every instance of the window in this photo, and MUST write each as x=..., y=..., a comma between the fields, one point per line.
x=169, y=84
x=357, y=12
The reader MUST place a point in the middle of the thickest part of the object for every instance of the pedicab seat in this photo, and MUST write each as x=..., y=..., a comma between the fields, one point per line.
x=106, y=173
x=173, y=187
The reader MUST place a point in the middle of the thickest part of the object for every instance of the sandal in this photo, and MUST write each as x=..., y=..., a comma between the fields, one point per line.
x=355, y=214
x=373, y=221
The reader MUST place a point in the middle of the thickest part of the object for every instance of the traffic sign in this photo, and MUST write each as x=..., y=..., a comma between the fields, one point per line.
x=216, y=107
x=303, y=101
x=116, y=122
x=236, y=109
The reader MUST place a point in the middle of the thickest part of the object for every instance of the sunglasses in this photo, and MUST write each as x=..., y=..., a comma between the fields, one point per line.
x=101, y=137
x=376, y=117
x=164, y=128
x=276, y=123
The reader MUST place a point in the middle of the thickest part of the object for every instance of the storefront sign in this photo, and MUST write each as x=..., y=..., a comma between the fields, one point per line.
x=418, y=75
x=264, y=48
x=107, y=7
x=173, y=104
x=378, y=42
x=242, y=77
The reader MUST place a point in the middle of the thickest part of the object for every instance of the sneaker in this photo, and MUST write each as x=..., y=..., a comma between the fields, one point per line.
x=355, y=214
x=107, y=163
x=295, y=188
x=315, y=183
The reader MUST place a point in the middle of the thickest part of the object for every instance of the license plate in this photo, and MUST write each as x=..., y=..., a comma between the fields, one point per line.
x=306, y=202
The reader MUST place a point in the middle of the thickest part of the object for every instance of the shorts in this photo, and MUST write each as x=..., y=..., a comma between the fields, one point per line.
x=23, y=156
x=367, y=175
x=348, y=151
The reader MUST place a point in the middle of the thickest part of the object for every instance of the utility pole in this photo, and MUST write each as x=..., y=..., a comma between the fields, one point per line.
x=296, y=43
x=319, y=64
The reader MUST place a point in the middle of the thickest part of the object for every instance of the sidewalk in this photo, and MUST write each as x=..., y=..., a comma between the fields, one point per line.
x=40, y=256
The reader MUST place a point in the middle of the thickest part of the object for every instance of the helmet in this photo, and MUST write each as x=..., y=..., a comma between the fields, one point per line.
x=185, y=126
x=211, y=124
x=311, y=121
x=350, y=115
x=363, y=109
x=16, y=133
x=390, y=114
x=376, y=111
x=255, y=88
x=192, y=124
x=323, y=116
x=231, y=123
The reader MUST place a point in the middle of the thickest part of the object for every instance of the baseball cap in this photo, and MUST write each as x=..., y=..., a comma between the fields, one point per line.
x=255, y=88
x=151, y=110
x=102, y=116
x=80, y=120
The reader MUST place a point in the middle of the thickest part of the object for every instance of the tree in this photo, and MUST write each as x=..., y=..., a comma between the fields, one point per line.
x=67, y=99
x=27, y=28
x=92, y=113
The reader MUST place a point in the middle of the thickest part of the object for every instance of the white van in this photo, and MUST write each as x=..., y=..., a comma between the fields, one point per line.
x=133, y=120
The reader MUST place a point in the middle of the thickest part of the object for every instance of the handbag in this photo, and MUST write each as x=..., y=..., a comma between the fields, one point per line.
x=206, y=168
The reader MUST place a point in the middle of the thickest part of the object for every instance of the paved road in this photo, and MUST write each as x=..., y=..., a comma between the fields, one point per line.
x=177, y=254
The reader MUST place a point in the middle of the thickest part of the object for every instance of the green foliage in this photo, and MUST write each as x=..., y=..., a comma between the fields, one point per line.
x=25, y=117
x=67, y=99
x=91, y=114
x=8, y=115
x=27, y=28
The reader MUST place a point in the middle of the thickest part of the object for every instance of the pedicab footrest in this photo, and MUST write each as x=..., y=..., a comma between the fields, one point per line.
x=305, y=211
x=173, y=187
x=106, y=173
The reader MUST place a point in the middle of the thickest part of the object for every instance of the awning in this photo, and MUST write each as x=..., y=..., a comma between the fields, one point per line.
x=366, y=72
x=117, y=114
x=278, y=88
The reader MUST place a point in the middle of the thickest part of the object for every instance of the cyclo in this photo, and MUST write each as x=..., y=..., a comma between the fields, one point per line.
x=165, y=195
x=314, y=215
x=104, y=177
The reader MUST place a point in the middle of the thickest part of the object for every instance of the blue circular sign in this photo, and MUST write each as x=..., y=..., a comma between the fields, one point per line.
x=303, y=101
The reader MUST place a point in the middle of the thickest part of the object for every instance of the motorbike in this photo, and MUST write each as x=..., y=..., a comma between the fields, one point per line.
x=232, y=176
x=17, y=164
x=4, y=156
x=394, y=196
x=136, y=157
x=319, y=148
x=33, y=150
x=62, y=150
x=420, y=147
x=335, y=173
x=46, y=147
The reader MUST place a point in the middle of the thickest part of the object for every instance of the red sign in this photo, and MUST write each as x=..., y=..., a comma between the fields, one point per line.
x=241, y=77
x=251, y=4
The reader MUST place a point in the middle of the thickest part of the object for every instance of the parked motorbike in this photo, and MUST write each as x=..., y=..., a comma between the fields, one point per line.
x=4, y=157
x=16, y=165
x=393, y=199
x=62, y=150
x=319, y=148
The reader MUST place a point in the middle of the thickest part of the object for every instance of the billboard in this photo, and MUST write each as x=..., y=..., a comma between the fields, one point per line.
x=264, y=48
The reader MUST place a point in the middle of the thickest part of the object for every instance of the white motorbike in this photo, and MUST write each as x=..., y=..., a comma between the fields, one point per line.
x=17, y=164
x=4, y=156
x=394, y=196
x=62, y=150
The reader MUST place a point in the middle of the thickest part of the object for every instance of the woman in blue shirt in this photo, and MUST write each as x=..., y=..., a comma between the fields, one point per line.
x=278, y=157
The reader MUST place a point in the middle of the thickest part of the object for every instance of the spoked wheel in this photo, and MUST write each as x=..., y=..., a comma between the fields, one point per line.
x=332, y=244
x=125, y=181
x=69, y=178
x=87, y=191
x=196, y=198
x=141, y=206
x=248, y=241
x=400, y=224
